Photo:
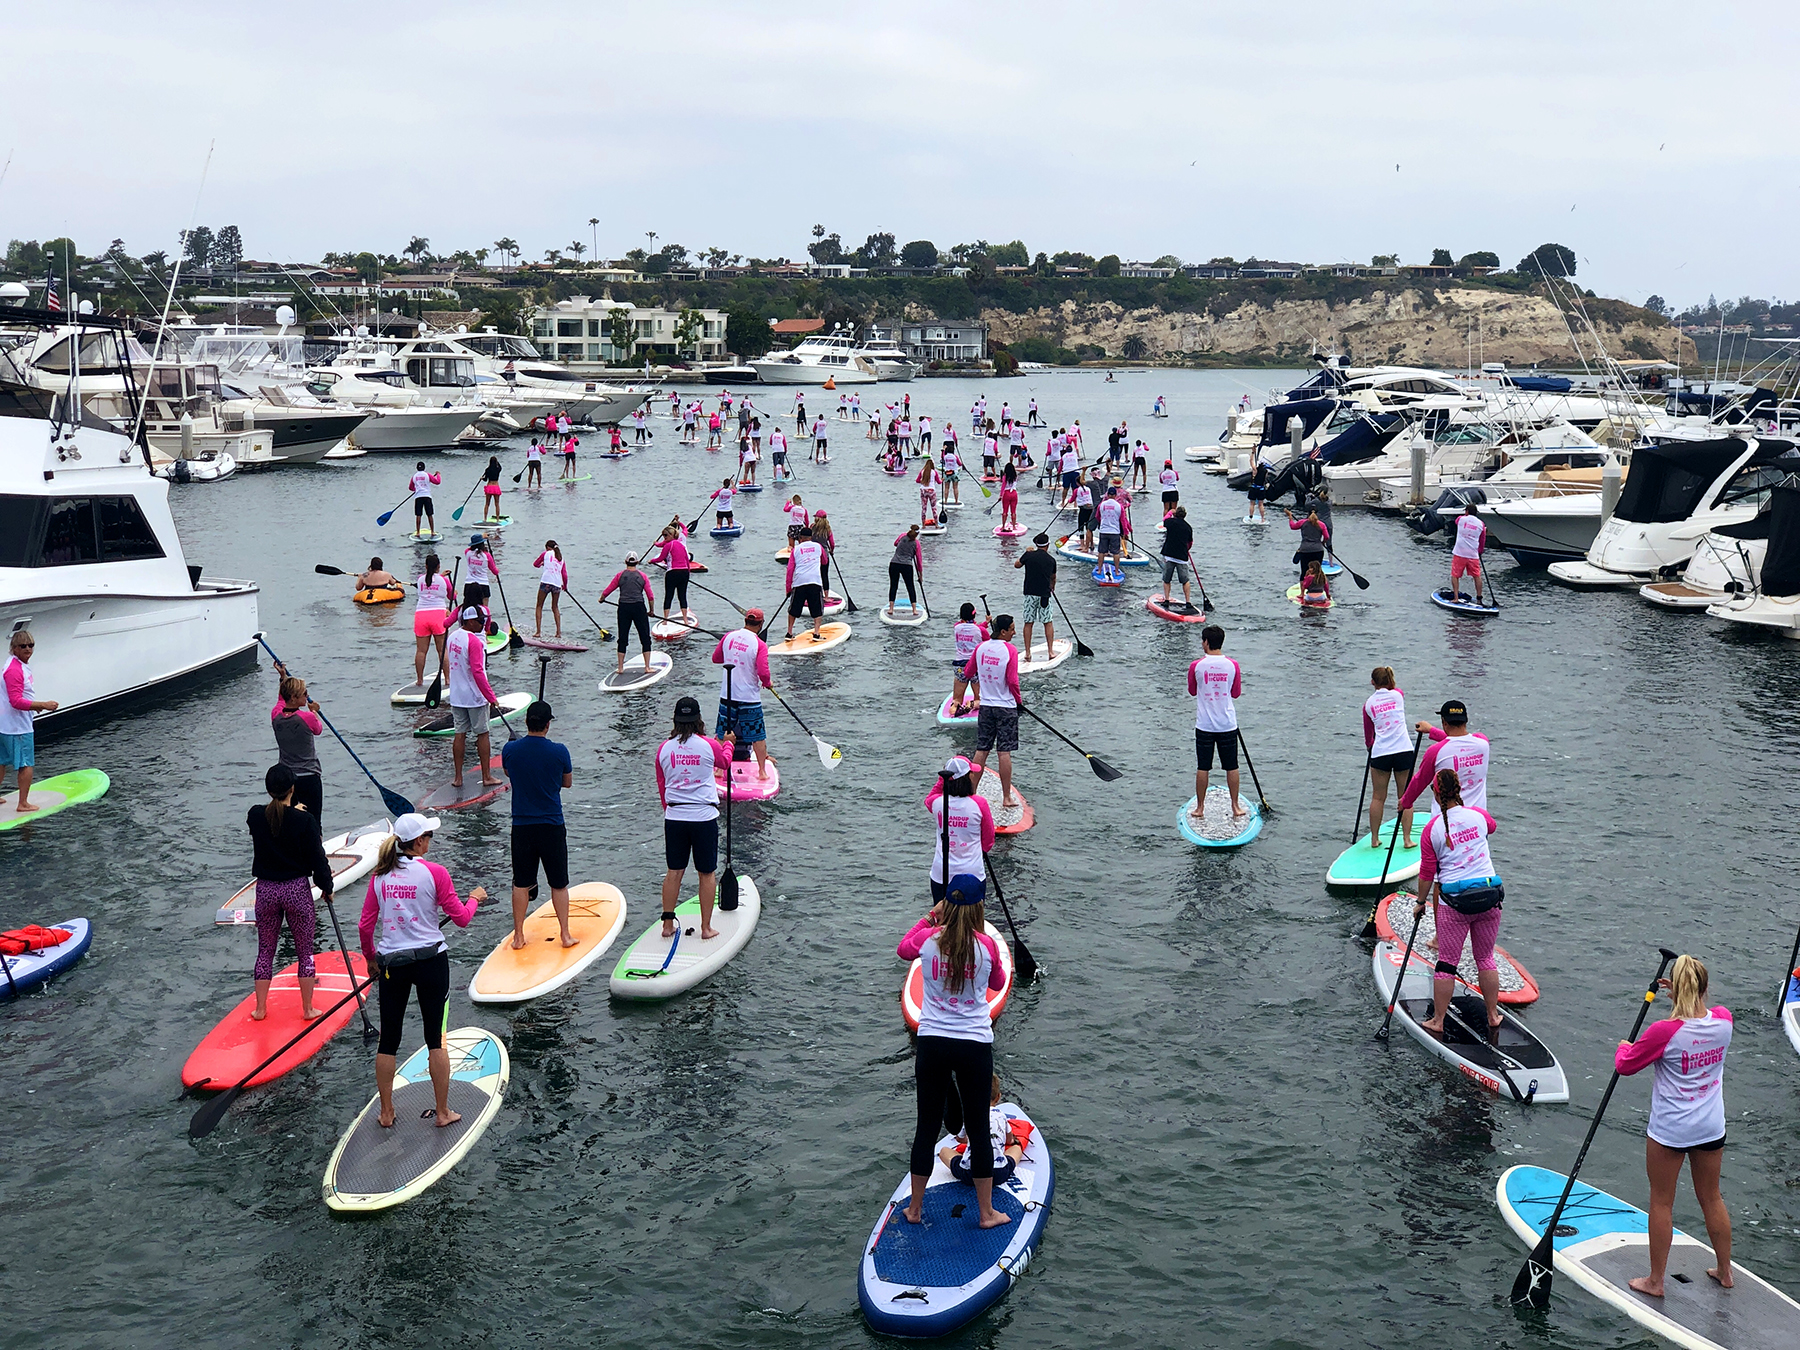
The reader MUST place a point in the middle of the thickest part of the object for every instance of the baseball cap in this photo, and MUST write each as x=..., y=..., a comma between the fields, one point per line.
x=966, y=890
x=1040, y=538
x=538, y=715
x=411, y=825
x=957, y=766
x=1454, y=711
x=754, y=617
x=470, y=615
x=687, y=707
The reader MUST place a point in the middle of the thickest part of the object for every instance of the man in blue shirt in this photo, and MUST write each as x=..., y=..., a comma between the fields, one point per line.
x=539, y=769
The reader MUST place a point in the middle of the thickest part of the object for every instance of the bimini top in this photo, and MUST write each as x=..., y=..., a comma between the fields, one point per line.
x=1311, y=412
x=1781, y=564
x=1668, y=480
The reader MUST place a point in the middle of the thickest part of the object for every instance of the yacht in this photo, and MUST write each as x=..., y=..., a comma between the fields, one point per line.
x=825, y=357
x=1773, y=602
x=90, y=560
x=889, y=358
x=520, y=369
x=1727, y=563
x=397, y=421
x=1554, y=461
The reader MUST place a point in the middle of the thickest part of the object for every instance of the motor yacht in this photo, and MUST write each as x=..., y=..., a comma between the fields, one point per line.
x=820, y=358
x=1727, y=563
x=397, y=421
x=1773, y=602
x=889, y=358
x=517, y=366
x=1554, y=461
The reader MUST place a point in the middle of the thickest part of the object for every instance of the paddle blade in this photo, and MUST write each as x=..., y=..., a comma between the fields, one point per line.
x=1102, y=770
x=396, y=804
x=207, y=1118
x=1531, y=1286
x=1023, y=961
x=325, y=570
x=829, y=755
x=515, y=640
x=457, y=514
x=1362, y=582
x=1082, y=649
x=434, y=692
x=385, y=517
x=728, y=889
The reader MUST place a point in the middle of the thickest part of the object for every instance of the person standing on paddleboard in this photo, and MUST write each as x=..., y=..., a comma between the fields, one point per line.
x=1454, y=861
x=569, y=446
x=821, y=454
x=1314, y=535
x=538, y=769
x=927, y=479
x=634, y=608
x=1140, y=466
x=1384, y=736
x=490, y=492
x=1110, y=516
x=472, y=698
x=806, y=571
x=1455, y=747
x=1258, y=489
x=907, y=556
x=289, y=860
x=1039, y=565
x=954, y=1050
x=1170, y=493
x=295, y=718
x=1687, y=1116
x=971, y=826
x=1465, y=553
x=743, y=652
x=1009, y=498
x=401, y=940
x=778, y=452
x=553, y=580
x=685, y=765
x=534, y=464
x=951, y=467
x=968, y=634
x=422, y=483
x=431, y=615
x=722, y=497
x=1177, y=548
x=18, y=716
x=995, y=670
x=1216, y=682
x=672, y=553
x=479, y=569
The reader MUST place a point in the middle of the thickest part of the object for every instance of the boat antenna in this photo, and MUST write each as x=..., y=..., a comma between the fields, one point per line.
x=137, y=428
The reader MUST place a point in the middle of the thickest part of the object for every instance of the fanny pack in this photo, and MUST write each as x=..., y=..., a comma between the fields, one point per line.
x=394, y=960
x=1476, y=896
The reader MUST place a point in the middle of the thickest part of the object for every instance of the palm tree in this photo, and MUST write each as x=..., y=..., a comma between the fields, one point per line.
x=594, y=221
x=506, y=248
x=651, y=236
x=577, y=248
x=417, y=247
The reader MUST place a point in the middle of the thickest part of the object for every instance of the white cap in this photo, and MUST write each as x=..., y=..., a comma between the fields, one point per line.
x=470, y=615
x=411, y=825
x=957, y=767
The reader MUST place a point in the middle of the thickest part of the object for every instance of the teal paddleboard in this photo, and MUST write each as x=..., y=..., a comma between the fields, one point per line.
x=1219, y=828
x=51, y=795
x=1360, y=865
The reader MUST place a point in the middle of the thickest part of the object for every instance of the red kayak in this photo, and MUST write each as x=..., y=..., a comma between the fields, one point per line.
x=1174, y=611
x=238, y=1044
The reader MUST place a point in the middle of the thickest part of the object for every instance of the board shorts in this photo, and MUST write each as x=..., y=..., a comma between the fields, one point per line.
x=1035, y=609
x=698, y=839
x=1109, y=543
x=431, y=622
x=422, y=507
x=1069, y=479
x=744, y=718
x=1463, y=567
x=1225, y=742
x=540, y=843
x=1400, y=759
x=1084, y=517
x=545, y=588
x=997, y=729
x=1170, y=496
x=1174, y=569
x=478, y=592
x=1255, y=493
x=809, y=598
x=470, y=721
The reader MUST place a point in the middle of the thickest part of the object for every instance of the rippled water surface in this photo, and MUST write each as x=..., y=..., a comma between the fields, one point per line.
x=1239, y=1162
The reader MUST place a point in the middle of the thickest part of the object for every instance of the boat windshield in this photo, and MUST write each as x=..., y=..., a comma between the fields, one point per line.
x=1668, y=481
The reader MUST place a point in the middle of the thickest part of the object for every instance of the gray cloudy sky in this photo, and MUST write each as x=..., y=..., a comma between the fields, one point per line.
x=1655, y=139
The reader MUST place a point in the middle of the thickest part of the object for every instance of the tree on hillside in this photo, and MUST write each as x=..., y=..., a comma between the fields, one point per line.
x=878, y=250
x=507, y=248
x=196, y=245
x=577, y=248
x=746, y=333
x=1657, y=305
x=1480, y=259
x=826, y=249
x=1107, y=266
x=416, y=248
x=227, y=250
x=1382, y=260
x=1010, y=255
x=1071, y=260
x=1167, y=260
x=1548, y=260
x=717, y=257
x=919, y=253
x=1135, y=347
x=1440, y=257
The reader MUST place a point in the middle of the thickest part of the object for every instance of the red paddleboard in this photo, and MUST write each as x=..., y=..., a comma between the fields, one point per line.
x=912, y=992
x=1516, y=985
x=238, y=1044
x=1016, y=821
x=473, y=792
x=1173, y=611
x=745, y=785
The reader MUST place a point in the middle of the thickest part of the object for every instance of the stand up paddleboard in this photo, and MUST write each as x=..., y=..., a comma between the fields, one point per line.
x=1509, y=1061
x=553, y=644
x=749, y=487
x=442, y=723
x=372, y=1168
x=727, y=531
x=656, y=967
x=1008, y=531
x=1175, y=611
x=912, y=988
x=51, y=795
x=473, y=792
x=30, y=969
x=950, y=506
x=968, y=719
x=352, y=857
x=672, y=630
x=802, y=643
x=498, y=523
x=1080, y=554
x=1443, y=599
x=1517, y=988
x=543, y=964
x=1602, y=1243
x=239, y=1043
x=933, y=531
x=413, y=695
x=1218, y=827
x=1007, y=820
x=1790, y=1011
x=428, y=538
x=783, y=555
x=635, y=677
x=1252, y=520
x=1360, y=865
x=1308, y=606
x=745, y=785
x=495, y=643
x=1109, y=576
x=1041, y=658
x=1330, y=568
x=935, y=1277
x=903, y=618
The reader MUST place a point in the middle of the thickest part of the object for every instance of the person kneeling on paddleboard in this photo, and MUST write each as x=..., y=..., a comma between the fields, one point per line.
x=401, y=940
x=1010, y=1134
x=746, y=658
x=960, y=963
x=968, y=634
x=1314, y=589
x=689, y=793
x=1215, y=681
x=1454, y=860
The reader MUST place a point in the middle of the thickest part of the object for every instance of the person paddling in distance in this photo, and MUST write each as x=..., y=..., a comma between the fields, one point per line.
x=746, y=657
x=1009, y=498
x=1454, y=862
x=490, y=491
x=721, y=499
x=634, y=608
x=806, y=570
x=954, y=1050
x=570, y=445
x=295, y=719
x=538, y=769
x=1454, y=747
x=994, y=668
x=1687, y=1116
x=1171, y=493
x=553, y=580
x=1177, y=550
x=1314, y=588
x=431, y=615
x=672, y=553
x=1216, y=682
x=1258, y=490
x=968, y=634
x=534, y=464
x=18, y=716
x=479, y=568
x=1314, y=536
x=401, y=940
x=927, y=479
x=1039, y=566
x=1390, y=753
x=907, y=556
x=423, y=482
x=472, y=698
x=1465, y=553
x=685, y=764
x=376, y=576
x=289, y=860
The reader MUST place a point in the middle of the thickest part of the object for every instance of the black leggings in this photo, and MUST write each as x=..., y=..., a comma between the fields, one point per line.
x=897, y=573
x=309, y=791
x=971, y=1063
x=637, y=615
x=431, y=977
x=675, y=586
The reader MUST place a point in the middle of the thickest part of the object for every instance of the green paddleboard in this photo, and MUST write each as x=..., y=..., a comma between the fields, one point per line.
x=1360, y=865
x=496, y=642
x=439, y=724
x=51, y=795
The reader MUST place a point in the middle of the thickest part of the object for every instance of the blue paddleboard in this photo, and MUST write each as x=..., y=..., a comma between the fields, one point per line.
x=1220, y=829
x=30, y=969
x=1443, y=599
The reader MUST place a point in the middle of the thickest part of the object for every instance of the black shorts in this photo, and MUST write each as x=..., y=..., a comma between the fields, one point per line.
x=421, y=507
x=997, y=728
x=431, y=977
x=1255, y=493
x=540, y=843
x=698, y=839
x=1084, y=516
x=1400, y=759
x=809, y=598
x=1226, y=743
x=1170, y=497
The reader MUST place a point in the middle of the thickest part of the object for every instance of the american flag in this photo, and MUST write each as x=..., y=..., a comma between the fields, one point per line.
x=51, y=302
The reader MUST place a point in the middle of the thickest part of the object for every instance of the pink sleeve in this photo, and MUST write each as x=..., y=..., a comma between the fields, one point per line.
x=762, y=664
x=968, y=674
x=458, y=909
x=1012, y=672
x=612, y=585
x=937, y=790
x=719, y=653
x=919, y=558
x=310, y=720
x=1427, y=857
x=909, y=947
x=15, y=686
x=478, y=668
x=987, y=824
x=1492, y=824
x=1421, y=778
x=1648, y=1048
x=1722, y=1013
x=1193, y=684
x=1439, y=734
x=1237, y=679
x=721, y=751
x=1368, y=730
x=996, y=971
x=1293, y=524
x=365, y=926
x=790, y=569
x=539, y=560
x=661, y=787
x=437, y=478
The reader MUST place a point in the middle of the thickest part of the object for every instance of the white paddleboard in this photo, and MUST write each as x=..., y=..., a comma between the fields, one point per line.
x=352, y=857
x=656, y=967
x=634, y=677
x=902, y=617
x=1041, y=658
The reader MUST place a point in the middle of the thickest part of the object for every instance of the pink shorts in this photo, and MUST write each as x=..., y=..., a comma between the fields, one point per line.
x=1461, y=567
x=492, y=489
x=431, y=622
x=1454, y=929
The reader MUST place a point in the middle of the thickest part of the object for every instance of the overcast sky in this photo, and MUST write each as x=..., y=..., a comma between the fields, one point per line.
x=1654, y=139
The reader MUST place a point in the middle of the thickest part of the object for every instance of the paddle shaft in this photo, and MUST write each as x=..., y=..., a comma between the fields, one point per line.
x=369, y=1032
x=1527, y=1287
x=436, y=689
x=849, y=600
x=457, y=514
x=386, y=516
x=604, y=631
x=1096, y=764
x=1418, y=918
x=1361, y=796
x=728, y=882
x=1081, y=648
x=1022, y=958
x=513, y=639
x=1369, y=923
x=1362, y=583
x=1243, y=745
x=395, y=802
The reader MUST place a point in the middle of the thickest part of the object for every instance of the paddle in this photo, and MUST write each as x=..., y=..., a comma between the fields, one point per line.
x=1361, y=796
x=728, y=879
x=514, y=641
x=1362, y=583
x=13, y=986
x=849, y=601
x=605, y=633
x=1368, y=928
x=457, y=514
x=1531, y=1288
x=1780, y=998
x=1081, y=648
x=1261, y=800
x=1102, y=770
x=1418, y=918
x=396, y=804
x=543, y=670
x=1026, y=965
x=326, y=570
x=370, y=1035
x=434, y=693
x=386, y=516
x=829, y=755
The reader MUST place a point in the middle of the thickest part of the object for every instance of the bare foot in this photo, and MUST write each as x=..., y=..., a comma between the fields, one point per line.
x=26, y=808
x=912, y=1213
x=1432, y=1025
x=1643, y=1284
x=309, y=1014
x=1723, y=1281
x=1197, y=817
x=489, y=782
x=1497, y=1021
x=1240, y=811
x=258, y=1014
x=994, y=1218
x=385, y=1118
x=448, y=1118
x=1406, y=843
x=1009, y=803
x=568, y=941
x=707, y=934
x=456, y=782
x=518, y=942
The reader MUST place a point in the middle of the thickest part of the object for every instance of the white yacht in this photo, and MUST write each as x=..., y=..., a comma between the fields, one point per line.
x=90, y=560
x=888, y=357
x=1554, y=461
x=397, y=420
x=824, y=357
x=1773, y=602
x=520, y=369
x=1727, y=563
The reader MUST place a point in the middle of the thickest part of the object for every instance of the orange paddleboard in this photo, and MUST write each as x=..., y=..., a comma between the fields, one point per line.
x=513, y=975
